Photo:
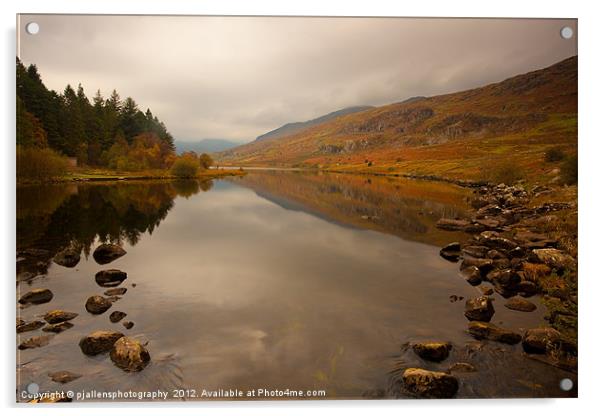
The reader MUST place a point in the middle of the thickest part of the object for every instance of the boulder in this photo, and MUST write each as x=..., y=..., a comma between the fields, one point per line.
x=451, y=252
x=556, y=259
x=129, y=354
x=99, y=342
x=110, y=277
x=486, y=330
x=538, y=340
x=432, y=351
x=476, y=251
x=496, y=255
x=429, y=384
x=36, y=296
x=472, y=275
x=56, y=316
x=35, y=342
x=484, y=265
x=97, y=304
x=494, y=240
x=29, y=326
x=106, y=253
x=479, y=309
x=117, y=316
x=461, y=368
x=526, y=288
x=63, y=376
x=68, y=257
x=116, y=291
x=57, y=328
x=507, y=279
x=517, y=252
x=519, y=304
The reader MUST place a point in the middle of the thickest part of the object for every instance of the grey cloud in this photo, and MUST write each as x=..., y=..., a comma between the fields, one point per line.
x=238, y=77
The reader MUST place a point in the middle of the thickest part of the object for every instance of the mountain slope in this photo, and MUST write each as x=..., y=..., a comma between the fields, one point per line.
x=293, y=128
x=458, y=135
x=205, y=145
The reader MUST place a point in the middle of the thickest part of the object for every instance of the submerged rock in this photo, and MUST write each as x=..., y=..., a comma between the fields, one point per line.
x=63, y=376
x=432, y=351
x=520, y=304
x=461, y=368
x=35, y=342
x=29, y=326
x=479, y=309
x=68, y=257
x=98, y=342
x=128, y=324
x=110, y=277
x=97, y=304
x=106, y=253
x=129, y=354
x=57, y=328
x=36, y=296
x=486, y=330
x=451, y=252
x=56, y=316
x=116, y=291
x=429, y=384
x=117, y=316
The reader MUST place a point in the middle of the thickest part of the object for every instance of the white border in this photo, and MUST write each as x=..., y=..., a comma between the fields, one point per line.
x=590, y=151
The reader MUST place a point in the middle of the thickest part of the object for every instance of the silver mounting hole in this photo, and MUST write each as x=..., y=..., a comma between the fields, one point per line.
x=32, y=28
x=566, y=32
x=566, y=384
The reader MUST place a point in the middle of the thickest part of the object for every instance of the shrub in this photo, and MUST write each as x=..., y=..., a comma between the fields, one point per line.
x=569, y=170
x=554, y=154
x=40, y=164
x=205, y=161
x=506, y=172
x=185, y=167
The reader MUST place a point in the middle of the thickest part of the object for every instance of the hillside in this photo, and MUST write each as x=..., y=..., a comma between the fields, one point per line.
x=205, y=145
x=460, y=135
x=297, y=127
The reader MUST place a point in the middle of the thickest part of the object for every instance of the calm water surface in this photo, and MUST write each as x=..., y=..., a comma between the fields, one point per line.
x=276, y=280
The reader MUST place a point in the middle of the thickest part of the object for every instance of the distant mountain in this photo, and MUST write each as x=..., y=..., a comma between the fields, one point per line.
x=293, y=128
x=205, y=145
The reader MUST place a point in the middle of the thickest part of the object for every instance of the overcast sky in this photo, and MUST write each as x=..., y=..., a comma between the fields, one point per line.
x=238, y=77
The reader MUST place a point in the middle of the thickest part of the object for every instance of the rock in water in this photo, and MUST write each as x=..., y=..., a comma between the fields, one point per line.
x=129, y=354
x=56, y=316
x=110, y=278
x=117, y=316
x=462, y=368
x=35, y=342
x=68, y=257
x=116, y=291
x=57, y=328
x=520, y=304
x=538, y=340
x=29, y=326
x=479, y=309
x=554, y=258
x=472, y=275
x=432, y=351
x=128, y=324
x=485, y=330
x=451, y=252
x=63, y=376
x=98, y=342
x=97, y=304
x=430, y=384
x=36, y=296
x=106, y=253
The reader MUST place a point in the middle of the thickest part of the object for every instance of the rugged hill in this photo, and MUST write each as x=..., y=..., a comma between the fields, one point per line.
x=462, y=135
x=205, y=145
x=293, y=128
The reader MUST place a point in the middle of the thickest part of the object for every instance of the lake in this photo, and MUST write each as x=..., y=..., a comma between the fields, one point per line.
x=274, y=280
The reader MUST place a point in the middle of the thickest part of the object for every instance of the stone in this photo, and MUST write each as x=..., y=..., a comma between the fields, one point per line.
x=97, y=304
x=486, y=330
x=29, y=326
x=539, y=340
x=116, y=291
x=56, y=316
x=129, y=354
x=496, y=255
x=110, y=277
x=526, y=288
x=117, y=316
x=451, y=252
x=520, y=304
x=507, y=279
x=106, y=253
x=517, y=252
x=472, y=275
x=36, y=296
x=476, y=251
x=68, y=257
x=479, y=309
x=128, y=324
x=486, y=290
x=57, y=328
x=429, y=384
x=494, y=240
x=432, y=351
x=556, y=259
x=461, y=368
x=484, y=265
x=458, y=225
x=35, y=342
x=99, y=342
x=63, y=377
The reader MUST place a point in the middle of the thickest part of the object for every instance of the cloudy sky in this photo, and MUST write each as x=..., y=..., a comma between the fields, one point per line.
x=238, y=77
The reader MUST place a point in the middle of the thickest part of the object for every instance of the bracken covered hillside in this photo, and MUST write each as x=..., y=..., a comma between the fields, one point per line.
x=460, y=135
